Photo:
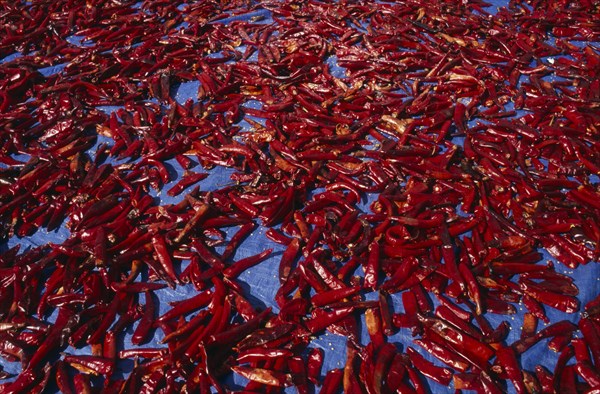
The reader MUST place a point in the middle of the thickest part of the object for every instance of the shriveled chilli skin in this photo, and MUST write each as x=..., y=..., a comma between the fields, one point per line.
x=444, y=150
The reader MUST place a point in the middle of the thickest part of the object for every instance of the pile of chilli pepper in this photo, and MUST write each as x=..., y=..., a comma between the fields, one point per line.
x=411, y=160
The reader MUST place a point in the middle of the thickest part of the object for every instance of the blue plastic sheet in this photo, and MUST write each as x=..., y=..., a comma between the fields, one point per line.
x=261, y=281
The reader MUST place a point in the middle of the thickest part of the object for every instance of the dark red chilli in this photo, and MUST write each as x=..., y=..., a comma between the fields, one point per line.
x=400, y=167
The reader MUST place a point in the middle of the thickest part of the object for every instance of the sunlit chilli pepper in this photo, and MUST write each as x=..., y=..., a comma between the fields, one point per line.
x=298, y=372
x=199, y=213
x=332, y=382
x=265, y=335
x=136, y=287
x=560, y=370
x=475, y=351
x=237, y=238
x=488, y=384
x=63, y=380
x=220, y=315
x=143, y=329
x=242, y=265
x=535, y=308
x=448, y=316
x=183, y=307
x=445, y=355
x=287, y=259
x=264, y=376
x=24, y=382
x=185, y=182
x=559, y=328
x=321, y=319
x=162, y=253
x=64, y=324
x=90, y=364
x=588, y=373
x=440, y=375
x=472, y=286
x=565, y=303
x=507, y=359
x=591, y=337
x=314, y=365
x=372, y=266
x=257, y=354
x=350, y=381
